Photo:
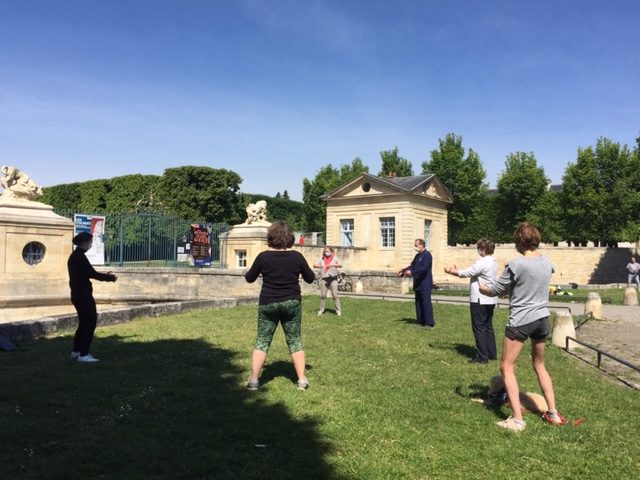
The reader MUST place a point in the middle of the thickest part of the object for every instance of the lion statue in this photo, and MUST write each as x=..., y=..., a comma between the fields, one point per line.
x=257, y=212
x=17, y=185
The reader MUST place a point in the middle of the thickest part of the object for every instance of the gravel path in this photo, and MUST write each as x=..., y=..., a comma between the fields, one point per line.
x=619, y=334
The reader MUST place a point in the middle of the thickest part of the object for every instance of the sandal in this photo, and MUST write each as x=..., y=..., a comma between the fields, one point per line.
x=553, y=418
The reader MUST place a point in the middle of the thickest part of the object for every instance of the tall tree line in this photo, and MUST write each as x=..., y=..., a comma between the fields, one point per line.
x=195, y=193
x=598, y=200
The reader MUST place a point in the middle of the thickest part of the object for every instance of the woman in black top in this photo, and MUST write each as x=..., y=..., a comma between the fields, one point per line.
x=280, y=300
x=80, y=273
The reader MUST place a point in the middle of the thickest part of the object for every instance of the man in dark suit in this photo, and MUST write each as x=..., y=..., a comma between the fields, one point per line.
x=420, y=270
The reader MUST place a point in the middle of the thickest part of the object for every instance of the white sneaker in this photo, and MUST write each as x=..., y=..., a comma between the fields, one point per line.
x=338, y=313
x=74, y=355
x=320, y=312
x=88, y=358
x=512, y=424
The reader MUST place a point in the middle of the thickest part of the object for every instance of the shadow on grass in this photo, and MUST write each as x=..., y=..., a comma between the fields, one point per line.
x=408, y=320
x=462, y=349
x=280, y=368
x=166, y=409
x=479, y=393
x=465, y=350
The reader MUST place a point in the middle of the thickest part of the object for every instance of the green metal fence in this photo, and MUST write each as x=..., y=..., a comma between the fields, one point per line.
x=147, y=239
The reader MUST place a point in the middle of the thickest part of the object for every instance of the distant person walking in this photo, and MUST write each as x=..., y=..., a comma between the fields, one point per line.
x=420, y=270
x=280, y=300
x=481, y=306
x=80, y=274
x=329, y=264
x=633, y=268
x=526, y=279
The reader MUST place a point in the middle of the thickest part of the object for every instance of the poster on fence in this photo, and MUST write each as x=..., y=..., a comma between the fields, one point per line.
x=94, y=225
x=200, y=245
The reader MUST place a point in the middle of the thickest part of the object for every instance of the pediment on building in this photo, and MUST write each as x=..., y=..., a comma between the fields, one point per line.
x=367, y=185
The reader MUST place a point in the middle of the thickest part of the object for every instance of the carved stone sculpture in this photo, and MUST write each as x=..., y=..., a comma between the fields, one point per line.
x=257, y=213
x=18, y=186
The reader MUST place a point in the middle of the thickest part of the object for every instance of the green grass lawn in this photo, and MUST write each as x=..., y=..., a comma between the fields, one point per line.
x=387, y=401
x=613, y=296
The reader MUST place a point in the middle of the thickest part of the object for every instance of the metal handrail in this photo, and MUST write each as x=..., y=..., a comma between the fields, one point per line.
x=600, y=353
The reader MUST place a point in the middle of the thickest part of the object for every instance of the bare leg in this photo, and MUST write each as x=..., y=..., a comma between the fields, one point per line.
x=299, y=364
x=510, y=352
x=544, y=379
x=257, y=361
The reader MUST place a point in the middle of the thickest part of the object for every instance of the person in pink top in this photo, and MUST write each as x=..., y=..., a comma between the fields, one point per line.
x=329, y=264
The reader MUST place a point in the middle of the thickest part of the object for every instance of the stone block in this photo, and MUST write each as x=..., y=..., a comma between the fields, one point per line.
x=563, y=327
x=630, y=296
x=593, y=305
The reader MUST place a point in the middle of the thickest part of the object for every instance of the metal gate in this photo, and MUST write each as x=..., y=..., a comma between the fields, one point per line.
x=152, y=240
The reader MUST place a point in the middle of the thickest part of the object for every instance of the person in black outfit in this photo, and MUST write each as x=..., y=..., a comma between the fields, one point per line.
x=80, y=273
x=420, y=270
x=280, y=300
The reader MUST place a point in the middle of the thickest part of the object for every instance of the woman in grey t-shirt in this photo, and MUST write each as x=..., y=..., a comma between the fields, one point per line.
x=526, y=279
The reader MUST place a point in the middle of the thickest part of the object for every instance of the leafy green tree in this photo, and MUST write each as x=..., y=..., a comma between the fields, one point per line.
x=547, y=216
x=599, y=194
x=521, y=187
x=314, y=208
x=132, y=193
x=285, y=195
x=328, y=178
x=631, y=232
x=349, y=171
x=201, y=193
x=482, y=222
x=394, y=164
x=464, y=178
x=63, y=198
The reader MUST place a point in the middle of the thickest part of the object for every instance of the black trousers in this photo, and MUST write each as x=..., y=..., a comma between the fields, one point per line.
x=424, y=309
x=482, y=326
x=87, y=319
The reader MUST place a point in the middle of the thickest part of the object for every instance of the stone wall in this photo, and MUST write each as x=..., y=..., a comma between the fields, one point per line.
x=585, y=265
x=581, y=265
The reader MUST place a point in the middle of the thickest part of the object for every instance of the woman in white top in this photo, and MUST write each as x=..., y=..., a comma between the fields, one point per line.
x=482, y=306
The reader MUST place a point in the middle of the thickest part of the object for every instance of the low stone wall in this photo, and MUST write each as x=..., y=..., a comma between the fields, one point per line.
x=32, y=329
x=581, y=265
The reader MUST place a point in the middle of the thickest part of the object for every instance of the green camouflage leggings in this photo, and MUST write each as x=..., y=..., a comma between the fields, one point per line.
x=287, y=312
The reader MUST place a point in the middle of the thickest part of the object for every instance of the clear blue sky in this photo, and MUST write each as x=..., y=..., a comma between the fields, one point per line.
x=276, y=89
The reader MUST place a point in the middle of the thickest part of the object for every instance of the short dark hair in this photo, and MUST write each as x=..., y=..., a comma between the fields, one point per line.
x=279, y=235
x=487, y=245
x=526, y=236
x=420, y=241
x=82, y=237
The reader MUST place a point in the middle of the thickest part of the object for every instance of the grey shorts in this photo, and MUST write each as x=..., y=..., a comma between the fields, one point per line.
x=537, y=330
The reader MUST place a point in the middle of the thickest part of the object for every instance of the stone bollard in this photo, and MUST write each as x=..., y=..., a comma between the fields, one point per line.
x=405, y=285
x=630, y=296
x=562, y=328
x=593, y=305
x=359, y=286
